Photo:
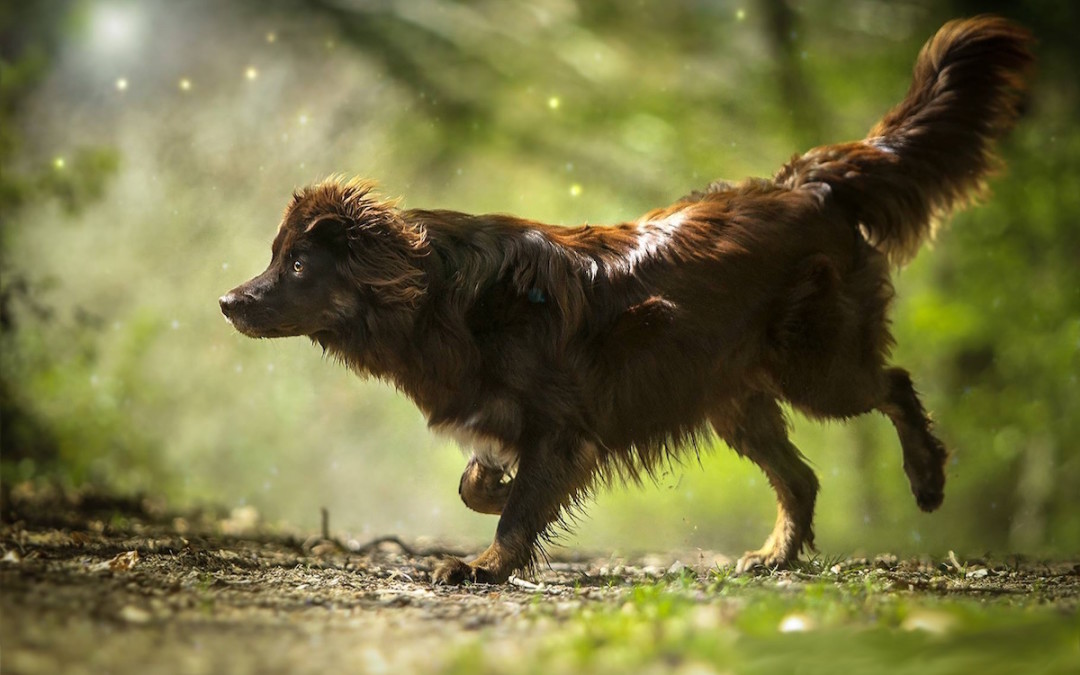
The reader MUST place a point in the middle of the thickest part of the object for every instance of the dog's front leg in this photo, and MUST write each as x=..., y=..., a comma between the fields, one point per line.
x=550, y=475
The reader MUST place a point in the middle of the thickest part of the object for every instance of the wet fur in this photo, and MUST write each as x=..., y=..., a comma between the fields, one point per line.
x=571, y=356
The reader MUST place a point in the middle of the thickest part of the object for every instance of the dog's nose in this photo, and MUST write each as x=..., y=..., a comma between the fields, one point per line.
x=228, y=303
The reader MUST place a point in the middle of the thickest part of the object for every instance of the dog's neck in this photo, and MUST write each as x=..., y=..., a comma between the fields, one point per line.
x=420, y=357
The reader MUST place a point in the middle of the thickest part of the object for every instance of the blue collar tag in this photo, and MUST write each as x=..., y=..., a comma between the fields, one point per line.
x=536, y=296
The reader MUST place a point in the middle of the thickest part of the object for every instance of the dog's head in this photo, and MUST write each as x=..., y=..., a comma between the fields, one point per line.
x=340, y=258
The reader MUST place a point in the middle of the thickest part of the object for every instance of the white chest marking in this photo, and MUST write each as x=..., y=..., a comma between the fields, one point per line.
x=488, y=450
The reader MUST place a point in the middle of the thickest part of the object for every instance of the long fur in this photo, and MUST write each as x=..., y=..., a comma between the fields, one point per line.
x=933, y=151
x=569, y=355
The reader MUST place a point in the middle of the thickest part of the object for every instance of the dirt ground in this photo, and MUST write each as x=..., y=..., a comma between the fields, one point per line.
x=100, y=585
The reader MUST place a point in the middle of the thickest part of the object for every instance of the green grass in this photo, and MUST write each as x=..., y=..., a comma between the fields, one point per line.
x=723, y=623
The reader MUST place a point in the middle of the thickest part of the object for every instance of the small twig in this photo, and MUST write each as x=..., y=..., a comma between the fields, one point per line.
x=312, y=543
x=389, y=539
x=405, y=548
x=527, y=585
x=376, y=542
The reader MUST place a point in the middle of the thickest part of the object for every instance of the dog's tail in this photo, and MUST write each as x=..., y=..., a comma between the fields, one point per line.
x=932, y=152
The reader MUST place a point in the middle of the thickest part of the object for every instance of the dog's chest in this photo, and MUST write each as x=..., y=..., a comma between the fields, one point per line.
x=488, y=450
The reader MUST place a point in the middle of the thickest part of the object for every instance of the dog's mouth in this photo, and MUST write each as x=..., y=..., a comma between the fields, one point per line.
x=245, y=326
x=256, y=319
x=272, y=332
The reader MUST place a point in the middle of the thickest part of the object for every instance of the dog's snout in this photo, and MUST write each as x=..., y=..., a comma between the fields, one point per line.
x=230, y=301
x=237, y=300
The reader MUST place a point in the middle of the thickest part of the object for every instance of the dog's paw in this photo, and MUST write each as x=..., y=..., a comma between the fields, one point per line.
x=455, y=572
x=451, y=572
x=929, y=498
x=926, y=474
x=928, y=486
x=484, y=489
x=760, y=562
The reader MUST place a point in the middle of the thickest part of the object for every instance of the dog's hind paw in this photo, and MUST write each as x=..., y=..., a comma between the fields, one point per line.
x=929, y=499
x=928, y=485
x=763, y=561
x=753, y=562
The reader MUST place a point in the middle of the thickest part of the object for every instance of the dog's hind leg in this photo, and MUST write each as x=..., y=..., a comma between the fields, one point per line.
x=834, y=341
x=756, y=429
x=852, y=391
x=924, y=454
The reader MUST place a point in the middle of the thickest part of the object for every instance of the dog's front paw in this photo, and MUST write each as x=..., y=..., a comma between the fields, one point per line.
x=454, y=572
x=484, y=489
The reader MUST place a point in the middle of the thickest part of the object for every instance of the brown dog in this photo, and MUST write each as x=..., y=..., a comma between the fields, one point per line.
x=570, y=356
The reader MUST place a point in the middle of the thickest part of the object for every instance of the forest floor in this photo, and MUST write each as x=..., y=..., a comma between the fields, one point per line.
x=100, y=585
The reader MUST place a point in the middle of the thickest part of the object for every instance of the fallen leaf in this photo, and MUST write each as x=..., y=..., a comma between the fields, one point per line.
x=121, y=563
x=124, y=561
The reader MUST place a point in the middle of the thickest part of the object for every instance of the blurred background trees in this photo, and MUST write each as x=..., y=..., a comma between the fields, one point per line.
x=148, y=148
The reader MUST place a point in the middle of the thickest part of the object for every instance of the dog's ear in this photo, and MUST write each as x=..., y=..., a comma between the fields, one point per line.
x=329, y=228
x=387, y=255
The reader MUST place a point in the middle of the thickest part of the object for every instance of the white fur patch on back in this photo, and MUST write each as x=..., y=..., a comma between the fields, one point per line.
x=652, y=237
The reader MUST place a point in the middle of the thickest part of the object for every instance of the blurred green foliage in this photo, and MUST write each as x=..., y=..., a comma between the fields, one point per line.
x=131, y=201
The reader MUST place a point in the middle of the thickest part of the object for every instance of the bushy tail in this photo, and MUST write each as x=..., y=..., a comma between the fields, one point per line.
x=932, y=152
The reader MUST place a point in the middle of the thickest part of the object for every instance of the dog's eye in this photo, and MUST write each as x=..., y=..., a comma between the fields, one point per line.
x=298, y=266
